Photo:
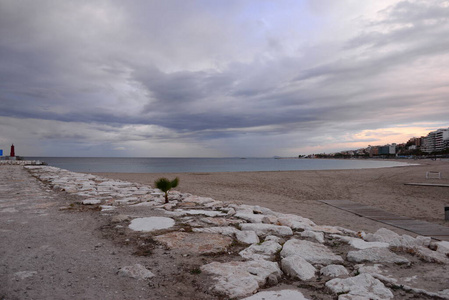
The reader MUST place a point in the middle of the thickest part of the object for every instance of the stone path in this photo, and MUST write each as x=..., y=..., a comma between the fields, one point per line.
x=419, y=227
x=193, y=247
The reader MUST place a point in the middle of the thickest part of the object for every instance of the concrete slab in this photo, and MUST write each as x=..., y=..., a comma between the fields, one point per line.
x=417, y=226
x=428, y=184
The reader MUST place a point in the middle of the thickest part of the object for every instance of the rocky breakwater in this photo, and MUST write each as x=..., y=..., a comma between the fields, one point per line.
x=251, y=252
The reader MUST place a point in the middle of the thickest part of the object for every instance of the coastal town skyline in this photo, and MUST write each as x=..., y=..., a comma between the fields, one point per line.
x=220, y=79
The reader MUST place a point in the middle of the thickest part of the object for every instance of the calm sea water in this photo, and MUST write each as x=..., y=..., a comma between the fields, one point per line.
x=186, y=165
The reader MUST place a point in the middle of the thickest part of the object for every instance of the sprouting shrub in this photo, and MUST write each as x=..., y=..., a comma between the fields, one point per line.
x=166, y=185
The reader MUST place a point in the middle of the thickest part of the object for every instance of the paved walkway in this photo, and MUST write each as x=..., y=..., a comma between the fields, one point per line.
x=46, y=253
x=419, y=227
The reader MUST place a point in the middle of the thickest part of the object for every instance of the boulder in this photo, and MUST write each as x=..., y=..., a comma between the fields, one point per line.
x=363, y=286
x=252, y=218
x=247, y=237
x=326, y=229
x=312, y=252
x=359, y=243
x=294, y=222
x=431, y=256
x=334, y=271
x=318, y=236
x=266, y=250
x=395, y=240
x=238, y=279
x=376, y=255
x=267, y=229
x=297, y=267
x=443, y=247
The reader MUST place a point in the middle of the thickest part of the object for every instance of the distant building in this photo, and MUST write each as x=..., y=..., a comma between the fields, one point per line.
x=436, y=141
x=387, y=149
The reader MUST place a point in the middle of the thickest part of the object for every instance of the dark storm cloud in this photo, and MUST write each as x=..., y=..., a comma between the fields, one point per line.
x=208, y=71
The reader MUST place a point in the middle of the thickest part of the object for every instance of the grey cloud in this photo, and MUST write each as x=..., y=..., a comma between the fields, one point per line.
x=207, y=75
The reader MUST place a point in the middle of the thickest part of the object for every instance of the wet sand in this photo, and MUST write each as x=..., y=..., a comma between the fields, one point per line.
x=297, y=192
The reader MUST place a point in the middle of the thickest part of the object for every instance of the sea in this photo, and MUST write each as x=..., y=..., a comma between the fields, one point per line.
x=201, y=165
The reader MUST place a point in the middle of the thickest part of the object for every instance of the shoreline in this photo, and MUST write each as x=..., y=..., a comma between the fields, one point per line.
x=298, y=192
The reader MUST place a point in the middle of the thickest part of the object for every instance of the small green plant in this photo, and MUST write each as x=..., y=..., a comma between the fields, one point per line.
x=166, y=185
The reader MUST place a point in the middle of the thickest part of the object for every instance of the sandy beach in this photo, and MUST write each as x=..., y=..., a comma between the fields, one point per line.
x=297, y=192
x=101, y=238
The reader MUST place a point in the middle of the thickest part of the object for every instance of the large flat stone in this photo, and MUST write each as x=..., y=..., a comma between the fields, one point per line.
x=297, y=267
x=363, y=286
x=247, y=237
x=238, y=279
x=314, y=253
x=334, y=271
x=266, y=250
x=376, y=255
x=199, y=243
x=151, y=224
x=267, y=229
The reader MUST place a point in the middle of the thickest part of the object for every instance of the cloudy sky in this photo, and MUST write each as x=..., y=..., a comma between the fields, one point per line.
x=220, y=78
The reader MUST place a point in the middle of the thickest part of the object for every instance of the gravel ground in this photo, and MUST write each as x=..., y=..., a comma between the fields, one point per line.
x=48, y=253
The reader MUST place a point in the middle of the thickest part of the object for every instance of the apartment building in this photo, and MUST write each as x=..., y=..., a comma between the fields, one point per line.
x=436, y=141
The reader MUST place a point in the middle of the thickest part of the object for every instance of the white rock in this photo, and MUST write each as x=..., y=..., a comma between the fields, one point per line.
x=250, y=217
x=294, y=222
x=376, y=255
x=363, y=286
x=24, y=274
x=151, y=223
x=443, y=247
x=107, y=207
x=297, y=267
x=239, y=279
x=199, y=200
x=376, y=272
x=136, y=271
x=266, y=251
x=334, y=271
x=326, y=229
x=247, y=237
x=286, y=218
x=214, y=203
x=277, y=295
x=263, y=210
x=431, y=256
x=318, y=236
x=227, y=230
x=91, y=202
x=209, y=213
x=359, y=243
x=395, y=240
x=267, y=229
x=312, y=252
